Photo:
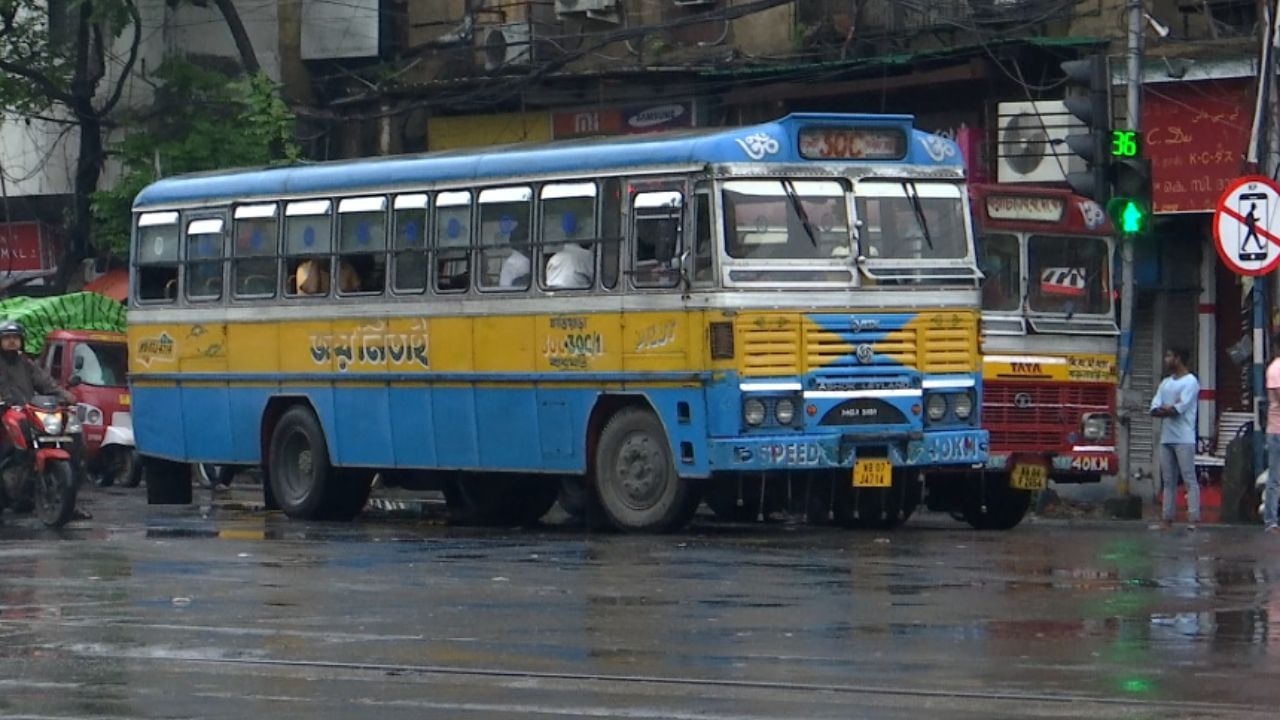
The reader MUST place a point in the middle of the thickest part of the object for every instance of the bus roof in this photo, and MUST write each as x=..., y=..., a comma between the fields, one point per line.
x=773, y=142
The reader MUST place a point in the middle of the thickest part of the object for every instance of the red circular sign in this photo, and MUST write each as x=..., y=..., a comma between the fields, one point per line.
x=1246, y=233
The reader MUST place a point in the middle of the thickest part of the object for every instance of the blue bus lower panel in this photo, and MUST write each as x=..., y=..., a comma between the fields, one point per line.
x=791, y=452
x=540, y=429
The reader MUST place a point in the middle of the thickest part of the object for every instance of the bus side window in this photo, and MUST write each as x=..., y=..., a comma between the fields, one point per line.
x=253, y=267
x=703, y=245
x=567, y=234
x=504, y=261
x=204, y=260
x=157, y=257
x=362, y=245
x=308, y=248
x=409, y=241
x=453, y=241
x=657, y=220
x=610, y=232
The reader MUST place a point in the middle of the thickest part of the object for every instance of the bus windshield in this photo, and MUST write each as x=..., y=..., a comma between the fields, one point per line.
x=1068, y=275
x=917, y=222
x=785, y=219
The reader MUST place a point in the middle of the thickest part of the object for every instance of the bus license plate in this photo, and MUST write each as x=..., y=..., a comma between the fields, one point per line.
x=872, y=474
x=1029, y=477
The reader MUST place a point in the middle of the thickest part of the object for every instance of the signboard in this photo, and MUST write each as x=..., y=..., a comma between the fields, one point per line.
x=26, y=248
x=852, y=143
x=627, y=120
x=1196, y=135
x=1244, y=226
x=1025, y=207
x=463, y=131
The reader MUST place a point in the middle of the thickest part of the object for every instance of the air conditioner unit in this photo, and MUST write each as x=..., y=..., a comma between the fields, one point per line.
x=509, y=45
x=586, y=7
x=1030, y=142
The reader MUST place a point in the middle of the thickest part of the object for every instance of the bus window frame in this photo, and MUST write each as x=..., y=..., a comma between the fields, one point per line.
x=340, y=254
x=540, y=244
x=652, y=186
x=224, y=258
x=425, y=250
x=704, y=191
x=302, y=209
x=608, y=279
x=256, y=208
x=435, y=251
x=177, y=262
x=479, y=247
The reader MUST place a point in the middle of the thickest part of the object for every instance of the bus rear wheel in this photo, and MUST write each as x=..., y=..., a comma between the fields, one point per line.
x=990, y=504
x=302, y=480
x=636, y=478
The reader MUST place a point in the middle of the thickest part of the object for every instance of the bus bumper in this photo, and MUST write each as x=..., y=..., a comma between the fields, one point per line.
x=962, y=448
x=1069, y=466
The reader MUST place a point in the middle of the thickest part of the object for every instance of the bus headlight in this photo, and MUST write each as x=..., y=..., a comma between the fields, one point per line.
x=753, y=412
x=962, y=406
x=1094, y=427
x=936, y=407
x=784, y=411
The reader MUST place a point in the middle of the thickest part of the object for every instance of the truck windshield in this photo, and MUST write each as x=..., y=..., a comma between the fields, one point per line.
x=101, y=364
x=1000, y=264
x=1068, y=275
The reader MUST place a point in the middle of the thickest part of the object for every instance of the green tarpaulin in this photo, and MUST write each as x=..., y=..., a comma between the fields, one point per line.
x=77, y=311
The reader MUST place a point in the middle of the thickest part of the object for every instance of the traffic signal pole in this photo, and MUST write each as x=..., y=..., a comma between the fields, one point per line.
x=1134, y=97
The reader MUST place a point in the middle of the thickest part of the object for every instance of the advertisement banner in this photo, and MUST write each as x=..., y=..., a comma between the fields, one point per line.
x=625, y=120
x=1195, y=135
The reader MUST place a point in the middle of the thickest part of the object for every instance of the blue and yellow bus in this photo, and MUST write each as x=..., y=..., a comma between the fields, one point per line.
x=788, y=310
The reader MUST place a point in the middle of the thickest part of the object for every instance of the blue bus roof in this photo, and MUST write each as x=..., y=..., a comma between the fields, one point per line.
x=773, y=142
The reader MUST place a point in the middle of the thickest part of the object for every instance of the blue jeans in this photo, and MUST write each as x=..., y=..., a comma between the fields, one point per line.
x=1179, y=460
x=1271, y=495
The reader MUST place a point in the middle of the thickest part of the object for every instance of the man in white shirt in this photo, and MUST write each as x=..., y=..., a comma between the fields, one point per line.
x=515, y=266
x=570, y=267
x=1176, y=401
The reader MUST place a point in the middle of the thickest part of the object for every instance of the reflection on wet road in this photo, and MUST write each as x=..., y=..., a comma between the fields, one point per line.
x=221, y=612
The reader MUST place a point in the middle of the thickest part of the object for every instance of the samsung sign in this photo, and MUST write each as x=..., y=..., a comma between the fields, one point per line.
x=626, y=120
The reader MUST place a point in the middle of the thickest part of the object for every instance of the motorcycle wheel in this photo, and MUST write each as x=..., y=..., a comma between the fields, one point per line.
x=56, y=494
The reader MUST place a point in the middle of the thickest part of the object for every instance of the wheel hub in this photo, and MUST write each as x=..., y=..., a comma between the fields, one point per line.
x=641, y=471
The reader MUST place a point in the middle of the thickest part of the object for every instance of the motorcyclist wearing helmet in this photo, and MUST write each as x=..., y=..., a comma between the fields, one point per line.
x=20, y=377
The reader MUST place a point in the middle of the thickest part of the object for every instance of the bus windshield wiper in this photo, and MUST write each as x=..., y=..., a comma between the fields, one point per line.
x=913, y=194
x=798, y=207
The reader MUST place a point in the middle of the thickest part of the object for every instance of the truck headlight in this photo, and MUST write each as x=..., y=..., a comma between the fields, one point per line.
x=962, y=405
x=936, y=407
x=753, y=412
x=1094, y=427
x=74, y=426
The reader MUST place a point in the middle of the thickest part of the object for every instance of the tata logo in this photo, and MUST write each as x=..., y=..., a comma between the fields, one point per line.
x=864, y=353
x=1022, y=400
x=860, y=324
x=1026, y=368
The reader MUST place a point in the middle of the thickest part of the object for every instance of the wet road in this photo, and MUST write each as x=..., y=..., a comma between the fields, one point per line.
x=220, y=611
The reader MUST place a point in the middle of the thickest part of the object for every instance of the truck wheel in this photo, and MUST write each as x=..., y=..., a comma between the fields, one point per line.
x=990, y=504
x=301, y=477
x=636, y=477
x=168, y=482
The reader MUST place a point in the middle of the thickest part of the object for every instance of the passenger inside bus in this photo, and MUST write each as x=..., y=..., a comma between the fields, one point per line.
x=570, y=267
x=312, y=277
x=515, y=270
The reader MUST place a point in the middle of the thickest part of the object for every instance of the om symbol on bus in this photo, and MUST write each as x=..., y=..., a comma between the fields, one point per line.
x=757, y=145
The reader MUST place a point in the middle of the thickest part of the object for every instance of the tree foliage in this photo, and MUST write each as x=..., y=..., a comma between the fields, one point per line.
x=202, y=119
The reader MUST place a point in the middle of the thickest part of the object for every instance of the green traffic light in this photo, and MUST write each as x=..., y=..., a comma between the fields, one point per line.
x=1131, y=217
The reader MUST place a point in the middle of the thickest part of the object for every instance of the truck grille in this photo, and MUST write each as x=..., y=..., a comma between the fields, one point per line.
x=1050, y=412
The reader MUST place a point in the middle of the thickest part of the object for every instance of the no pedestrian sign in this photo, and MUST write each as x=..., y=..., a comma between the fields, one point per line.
x=1246, y=228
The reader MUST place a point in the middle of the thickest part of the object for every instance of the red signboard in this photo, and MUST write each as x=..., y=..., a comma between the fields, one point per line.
x=1196, y=135
x=22, y=249
x=622, y=120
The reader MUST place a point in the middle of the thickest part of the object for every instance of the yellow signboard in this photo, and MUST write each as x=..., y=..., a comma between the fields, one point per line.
x=462, y=131
x=1052, y=368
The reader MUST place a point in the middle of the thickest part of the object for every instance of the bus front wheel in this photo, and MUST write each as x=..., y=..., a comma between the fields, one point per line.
x=990, y=504
x=635, y=475
x=300, y=473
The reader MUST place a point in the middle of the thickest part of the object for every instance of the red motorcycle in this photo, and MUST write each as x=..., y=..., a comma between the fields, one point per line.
x=38, y=469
